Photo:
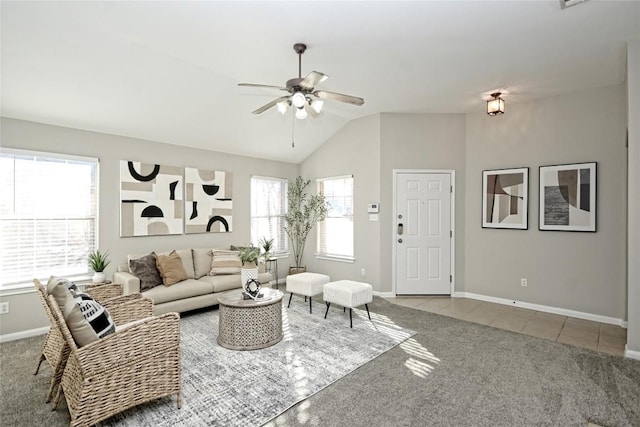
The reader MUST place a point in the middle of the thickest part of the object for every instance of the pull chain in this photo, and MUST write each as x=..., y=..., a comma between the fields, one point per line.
x=293, y=128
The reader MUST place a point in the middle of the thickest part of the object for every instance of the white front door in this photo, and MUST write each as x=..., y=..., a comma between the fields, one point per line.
x=423, y=233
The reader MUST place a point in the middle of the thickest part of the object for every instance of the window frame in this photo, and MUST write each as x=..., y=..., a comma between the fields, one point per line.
x=332, y=256
x=275, y=254
x=83, y=275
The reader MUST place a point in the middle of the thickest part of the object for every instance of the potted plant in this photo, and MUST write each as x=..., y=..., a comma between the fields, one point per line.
x=266, y=245
x=249, y=256
x=98, y=261
x=304, y=212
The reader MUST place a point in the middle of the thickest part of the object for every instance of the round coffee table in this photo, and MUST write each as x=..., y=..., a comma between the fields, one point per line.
x=250, y=324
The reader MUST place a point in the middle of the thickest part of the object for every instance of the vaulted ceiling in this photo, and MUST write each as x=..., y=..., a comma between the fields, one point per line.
x=168, y=71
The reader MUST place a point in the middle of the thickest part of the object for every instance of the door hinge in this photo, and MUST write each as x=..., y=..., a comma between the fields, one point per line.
x=451, y=189
x=450, y=278
x=451, y=233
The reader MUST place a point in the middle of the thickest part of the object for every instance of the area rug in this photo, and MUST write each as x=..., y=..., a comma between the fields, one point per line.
x=248, y=388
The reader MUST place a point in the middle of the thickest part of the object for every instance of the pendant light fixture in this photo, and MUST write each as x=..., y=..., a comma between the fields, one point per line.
x=495, y=105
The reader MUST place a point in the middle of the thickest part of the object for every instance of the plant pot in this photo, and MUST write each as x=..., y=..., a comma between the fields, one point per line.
x=99, y=277
x=297, y=270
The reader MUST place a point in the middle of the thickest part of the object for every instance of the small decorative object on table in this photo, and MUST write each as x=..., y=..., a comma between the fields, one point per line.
x=98, y=261
x=251, y=290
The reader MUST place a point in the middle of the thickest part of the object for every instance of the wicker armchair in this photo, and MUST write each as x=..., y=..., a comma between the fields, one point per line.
x=134, y=365
x=123, y=309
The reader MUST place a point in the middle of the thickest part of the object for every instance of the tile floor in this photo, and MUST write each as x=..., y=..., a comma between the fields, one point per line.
x=603, y=337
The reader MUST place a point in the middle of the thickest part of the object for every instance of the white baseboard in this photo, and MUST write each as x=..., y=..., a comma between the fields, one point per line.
x=631, y=354
x=544, y=308
x=24, y=334
x=384, y=294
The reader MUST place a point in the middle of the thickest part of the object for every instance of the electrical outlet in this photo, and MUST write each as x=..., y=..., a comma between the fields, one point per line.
x=4, y=307
x=523, y=282
x=362, y=272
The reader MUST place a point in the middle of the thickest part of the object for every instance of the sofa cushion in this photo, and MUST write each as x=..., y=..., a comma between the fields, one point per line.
x=185, y=256
x=202, y=261
x=171, y=268
x=184, y=289
x=222, y=283
x=146, y=270
x=225, y=262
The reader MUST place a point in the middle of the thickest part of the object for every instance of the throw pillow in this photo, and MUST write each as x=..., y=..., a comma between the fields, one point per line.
x=225, y=262
x=146, y=270
x=95, y=314
x=80, y=329
x=171, y=268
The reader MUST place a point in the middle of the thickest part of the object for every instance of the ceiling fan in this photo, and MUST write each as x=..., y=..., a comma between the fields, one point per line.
x=302, y=92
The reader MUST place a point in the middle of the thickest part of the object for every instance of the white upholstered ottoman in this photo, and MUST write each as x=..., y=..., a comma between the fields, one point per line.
x=307, y=284
x=348, y=294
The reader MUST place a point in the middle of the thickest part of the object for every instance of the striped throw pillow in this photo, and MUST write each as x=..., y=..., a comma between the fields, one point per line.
x=225, y=262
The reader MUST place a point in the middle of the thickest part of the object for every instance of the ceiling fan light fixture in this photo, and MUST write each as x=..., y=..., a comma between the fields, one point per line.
x=283, y=107
x=301, y=113
x=316, y=104
x=298, y=99
x=495, y=105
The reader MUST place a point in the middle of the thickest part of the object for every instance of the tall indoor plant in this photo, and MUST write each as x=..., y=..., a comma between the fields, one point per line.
x=303, y=213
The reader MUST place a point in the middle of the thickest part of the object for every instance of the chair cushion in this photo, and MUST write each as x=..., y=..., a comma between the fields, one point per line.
x=81, y=330
x=225, y=262
x=348, y=293
x=171, y=268
x=146, y=270
x=184, y=289
x=94, y=313
x=308, y=284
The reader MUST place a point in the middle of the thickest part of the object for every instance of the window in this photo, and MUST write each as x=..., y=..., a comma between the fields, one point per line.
x=48, y=215
x=335, y=233
x=268, y=206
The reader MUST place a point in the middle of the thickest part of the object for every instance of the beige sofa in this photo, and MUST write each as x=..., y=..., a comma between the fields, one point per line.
x=199, y=290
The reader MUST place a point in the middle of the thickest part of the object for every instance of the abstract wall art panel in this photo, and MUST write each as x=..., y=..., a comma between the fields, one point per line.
x=568, y=197
x=151, y=199
x=505, y=198
x=208, y=201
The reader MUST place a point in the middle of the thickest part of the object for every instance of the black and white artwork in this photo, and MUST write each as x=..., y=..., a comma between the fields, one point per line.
x=505, y=198
x=568, y=197
x=208, y=201
x=151, y=199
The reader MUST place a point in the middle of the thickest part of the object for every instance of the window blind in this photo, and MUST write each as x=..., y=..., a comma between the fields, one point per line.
x=268, y=207
x=335, y=233
x=48, y=215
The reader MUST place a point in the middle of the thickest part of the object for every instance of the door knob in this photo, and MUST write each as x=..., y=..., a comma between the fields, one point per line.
x=399, y=240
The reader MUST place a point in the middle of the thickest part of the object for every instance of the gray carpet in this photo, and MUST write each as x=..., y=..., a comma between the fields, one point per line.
x=451, y=373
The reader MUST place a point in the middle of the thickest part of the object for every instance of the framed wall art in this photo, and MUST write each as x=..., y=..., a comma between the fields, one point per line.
x=208, y=201
x=151, y=199
x=568, y=197
x=505, y=198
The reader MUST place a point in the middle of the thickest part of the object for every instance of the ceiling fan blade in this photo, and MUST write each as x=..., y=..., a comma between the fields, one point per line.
x=264, y=86
x=313, y=79
x=265, y=107
x=322, y=94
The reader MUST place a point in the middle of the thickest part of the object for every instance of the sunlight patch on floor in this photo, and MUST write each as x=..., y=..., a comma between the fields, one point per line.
x=422, y=361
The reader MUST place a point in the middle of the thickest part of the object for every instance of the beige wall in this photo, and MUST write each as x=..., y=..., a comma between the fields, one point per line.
x=110, y=149
x=633, y=255
x=354, y=150
x=576, y=271
x=420, y=141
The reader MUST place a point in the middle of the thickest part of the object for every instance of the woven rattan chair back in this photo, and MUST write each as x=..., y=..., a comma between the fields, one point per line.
x=55, y=349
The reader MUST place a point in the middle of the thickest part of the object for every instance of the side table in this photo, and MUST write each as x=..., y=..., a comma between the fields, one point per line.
x=271, y=266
